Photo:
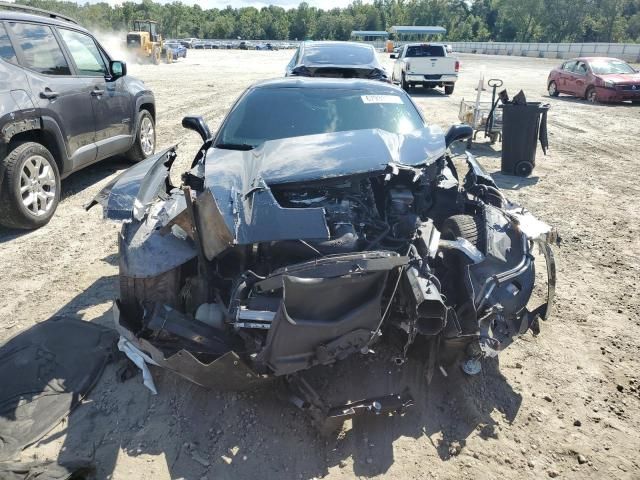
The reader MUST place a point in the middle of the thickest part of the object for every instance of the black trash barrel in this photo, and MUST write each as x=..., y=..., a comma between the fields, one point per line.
x=520, y=130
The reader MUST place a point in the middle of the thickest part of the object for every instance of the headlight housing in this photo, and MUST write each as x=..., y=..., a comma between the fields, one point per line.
x=609, y=84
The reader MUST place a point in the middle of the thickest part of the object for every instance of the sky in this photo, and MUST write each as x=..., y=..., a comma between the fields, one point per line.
x=287, y=4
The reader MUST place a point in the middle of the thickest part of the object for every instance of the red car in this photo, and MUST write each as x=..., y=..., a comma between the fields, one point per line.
x=597, y=79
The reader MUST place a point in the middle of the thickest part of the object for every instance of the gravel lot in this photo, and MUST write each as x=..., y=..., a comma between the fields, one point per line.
x=565, y=404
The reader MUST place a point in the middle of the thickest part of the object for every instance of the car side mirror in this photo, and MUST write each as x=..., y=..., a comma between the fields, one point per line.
x=393, y=55
x=457, y=133
x=197, y=124
x=118, y=69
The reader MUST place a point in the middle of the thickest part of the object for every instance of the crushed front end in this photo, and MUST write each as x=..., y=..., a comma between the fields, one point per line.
x=249, y=272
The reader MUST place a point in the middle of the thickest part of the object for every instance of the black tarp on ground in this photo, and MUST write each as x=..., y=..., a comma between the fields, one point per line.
x=44, y=372
x=47, y=470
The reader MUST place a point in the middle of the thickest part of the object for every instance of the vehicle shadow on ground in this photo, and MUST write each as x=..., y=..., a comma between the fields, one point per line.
x=8, y=234
x=74, y=184
x=89, y=176
x=446, y=412
x=483, y=148
x=427, y=92
x=513, y=182
x=223, y=435
x=570, y=99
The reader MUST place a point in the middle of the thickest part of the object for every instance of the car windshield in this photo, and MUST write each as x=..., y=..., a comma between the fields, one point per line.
x=425, y=51
x=339, y=54
x=605, y=67
x=272, y=113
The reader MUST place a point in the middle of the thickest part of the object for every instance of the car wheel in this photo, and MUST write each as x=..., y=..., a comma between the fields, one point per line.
x=553, y=89
x=591, y=95
x=31, y=187
x=144, y=143
x=471, y=228
x=134, y=292
x=448, y=89
x=404, y=84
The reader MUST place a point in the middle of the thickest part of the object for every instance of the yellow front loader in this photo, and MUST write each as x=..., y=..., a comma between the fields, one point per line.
x=146, y=43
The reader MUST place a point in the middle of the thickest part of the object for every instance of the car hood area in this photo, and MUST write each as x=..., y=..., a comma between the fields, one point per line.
x=621, y=78
x=324, y=156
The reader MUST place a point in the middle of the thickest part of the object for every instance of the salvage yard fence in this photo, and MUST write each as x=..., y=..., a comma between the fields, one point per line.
x=625, y=51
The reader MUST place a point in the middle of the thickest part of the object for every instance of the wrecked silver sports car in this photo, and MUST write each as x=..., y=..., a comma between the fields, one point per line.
x=324, y=216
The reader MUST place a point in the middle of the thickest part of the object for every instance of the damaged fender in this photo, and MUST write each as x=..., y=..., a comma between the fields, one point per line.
x=130, y=195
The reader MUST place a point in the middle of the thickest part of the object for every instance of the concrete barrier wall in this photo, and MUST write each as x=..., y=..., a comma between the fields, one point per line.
x=626, y=51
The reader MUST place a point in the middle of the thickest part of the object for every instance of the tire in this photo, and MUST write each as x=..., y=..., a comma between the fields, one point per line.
x=552, y=88
x=144, y=144
x=469, y=227
x=156, y=56
x=448, y=89
x=403, y=84
x=40, y=182
x=591, y=95
x=134, y=291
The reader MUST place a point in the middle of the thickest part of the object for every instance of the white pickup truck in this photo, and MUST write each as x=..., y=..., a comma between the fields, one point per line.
x=426, y=64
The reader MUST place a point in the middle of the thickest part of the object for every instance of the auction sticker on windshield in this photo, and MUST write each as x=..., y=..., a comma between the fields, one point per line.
x=381, y=99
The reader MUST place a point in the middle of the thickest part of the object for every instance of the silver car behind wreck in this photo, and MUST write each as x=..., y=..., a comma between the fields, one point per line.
x=323, y=216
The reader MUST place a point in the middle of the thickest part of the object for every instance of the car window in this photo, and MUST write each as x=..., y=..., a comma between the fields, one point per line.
x=272, y=113
x=606, y=67
x=580, y=68
x=425, y=51
x=569, y=65
x=84, y=52
x=40, y=49
x=338, y=54
x=6, y=49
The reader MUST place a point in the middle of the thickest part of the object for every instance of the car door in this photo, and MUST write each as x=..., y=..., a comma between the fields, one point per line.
x=580, y=79
x=576, y=77
x=63, y=100
x=110, y=100
x=564, y=76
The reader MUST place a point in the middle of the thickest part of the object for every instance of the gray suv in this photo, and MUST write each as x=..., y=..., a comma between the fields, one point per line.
x=65, y=104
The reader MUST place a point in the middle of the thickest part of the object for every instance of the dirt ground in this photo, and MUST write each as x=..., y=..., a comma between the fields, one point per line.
x=564, y=404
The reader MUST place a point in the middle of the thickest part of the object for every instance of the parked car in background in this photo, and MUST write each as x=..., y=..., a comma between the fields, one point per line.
x=188, y=42
x=177, y=49
x=597, y=79
x=426, y=64
x=198, y=45
x=336, y=60
x=65, y=105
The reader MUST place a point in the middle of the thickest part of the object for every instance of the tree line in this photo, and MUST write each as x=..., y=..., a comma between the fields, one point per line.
x=465, y=20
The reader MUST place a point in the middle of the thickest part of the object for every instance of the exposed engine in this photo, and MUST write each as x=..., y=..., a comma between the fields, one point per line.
x=254, y=279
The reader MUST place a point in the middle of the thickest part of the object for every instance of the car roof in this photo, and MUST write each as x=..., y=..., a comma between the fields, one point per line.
x=28, y=17
x=419, y=44
x=333, y=43
x=371, y=86
x=593, y=59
